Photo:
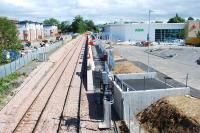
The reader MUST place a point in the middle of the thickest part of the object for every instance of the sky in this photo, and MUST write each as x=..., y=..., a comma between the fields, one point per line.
x=100, y=11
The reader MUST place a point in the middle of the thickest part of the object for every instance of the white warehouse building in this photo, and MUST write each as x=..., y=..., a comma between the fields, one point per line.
x=159, y=32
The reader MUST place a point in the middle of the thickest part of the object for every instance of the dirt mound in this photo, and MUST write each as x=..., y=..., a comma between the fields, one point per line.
x=125, y=66
x=179, y=114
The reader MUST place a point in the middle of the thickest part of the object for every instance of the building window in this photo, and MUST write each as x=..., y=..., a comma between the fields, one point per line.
x=168, y=35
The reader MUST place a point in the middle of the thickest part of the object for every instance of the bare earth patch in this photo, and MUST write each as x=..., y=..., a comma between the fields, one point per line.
x=124, y=66
x=179, y=114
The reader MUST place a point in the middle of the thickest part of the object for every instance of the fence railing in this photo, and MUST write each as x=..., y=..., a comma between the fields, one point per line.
x=124, y=86
x=111, y=61
x=35, y=54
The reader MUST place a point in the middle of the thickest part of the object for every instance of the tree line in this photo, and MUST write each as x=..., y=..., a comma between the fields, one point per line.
x=78, y=25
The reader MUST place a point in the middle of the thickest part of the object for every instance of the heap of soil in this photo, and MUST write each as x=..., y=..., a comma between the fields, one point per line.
x=123, y=127
x=179, y=114
x=124, y=66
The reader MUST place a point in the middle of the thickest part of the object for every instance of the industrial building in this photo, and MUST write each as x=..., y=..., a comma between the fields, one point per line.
x=30, y=31
x=50, y=30
x=159, y=32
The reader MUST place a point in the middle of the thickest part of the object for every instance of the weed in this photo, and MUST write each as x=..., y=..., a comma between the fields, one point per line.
x=6, y=83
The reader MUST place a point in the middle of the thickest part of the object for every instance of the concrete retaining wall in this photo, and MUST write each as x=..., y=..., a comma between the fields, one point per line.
x=136, y=101
x=137, y=75
x=118, y=100
x=127, y=104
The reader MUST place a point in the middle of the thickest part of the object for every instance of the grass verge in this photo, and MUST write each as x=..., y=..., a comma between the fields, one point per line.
x=6, y=85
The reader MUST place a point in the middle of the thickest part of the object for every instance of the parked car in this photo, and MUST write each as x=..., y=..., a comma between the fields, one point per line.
x=28, y=44
x=146, y=43
x=138, y=44
x=198, y=61
x=45, y=41
x=59, y=38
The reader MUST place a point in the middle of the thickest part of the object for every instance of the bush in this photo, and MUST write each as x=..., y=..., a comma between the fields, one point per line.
x=5, y=82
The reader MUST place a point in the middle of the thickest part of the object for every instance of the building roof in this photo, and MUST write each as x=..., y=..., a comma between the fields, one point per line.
x=28, y=21
x=48, y=25
x=120, y=24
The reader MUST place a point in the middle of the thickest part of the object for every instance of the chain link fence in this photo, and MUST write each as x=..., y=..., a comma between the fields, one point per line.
x=39, y=54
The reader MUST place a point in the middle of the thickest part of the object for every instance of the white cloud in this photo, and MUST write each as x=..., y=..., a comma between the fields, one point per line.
x=99, y=10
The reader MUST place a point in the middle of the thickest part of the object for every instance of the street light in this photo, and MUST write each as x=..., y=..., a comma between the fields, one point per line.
x=148, y=36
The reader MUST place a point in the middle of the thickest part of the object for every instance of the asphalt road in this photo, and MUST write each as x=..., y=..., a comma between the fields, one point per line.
x=177, y=67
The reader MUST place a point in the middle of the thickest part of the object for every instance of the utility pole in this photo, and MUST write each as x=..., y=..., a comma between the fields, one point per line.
x=148, y=36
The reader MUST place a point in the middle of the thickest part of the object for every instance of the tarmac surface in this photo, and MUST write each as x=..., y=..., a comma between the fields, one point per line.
x=182, y=62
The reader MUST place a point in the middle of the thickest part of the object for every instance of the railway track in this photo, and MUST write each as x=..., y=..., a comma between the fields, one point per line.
x=31, y=118
x=34, y=118
x=70, y=119
x=68, y=100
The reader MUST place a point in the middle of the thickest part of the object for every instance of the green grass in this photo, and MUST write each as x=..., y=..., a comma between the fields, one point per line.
x=7, y=82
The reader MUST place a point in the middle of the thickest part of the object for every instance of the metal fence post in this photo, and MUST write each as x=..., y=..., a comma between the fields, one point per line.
x=32, y=55
x=5, y=70
x=27, y=57
x=129, y=120
x=20, y=62
x=139, y=128
x=24, y=60
x=187, y=80
x=45, y=54
x=15, y=65
x=10, y=68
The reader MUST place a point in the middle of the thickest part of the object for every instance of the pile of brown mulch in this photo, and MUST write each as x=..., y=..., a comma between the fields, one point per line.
x=179, y=114
x=123, y=127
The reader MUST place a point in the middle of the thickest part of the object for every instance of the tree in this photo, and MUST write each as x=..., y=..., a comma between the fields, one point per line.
x=182, y=34
x=90, y=25
x=52, y=21
x=158, y=21
x=82, y=27
x=198, y=34
x=65, y=27
x=190, y=18
x=176, y=19
x=78, y=25
x=9, y=40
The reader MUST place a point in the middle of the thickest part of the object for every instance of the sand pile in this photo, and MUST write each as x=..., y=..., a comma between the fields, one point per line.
x=179, y=114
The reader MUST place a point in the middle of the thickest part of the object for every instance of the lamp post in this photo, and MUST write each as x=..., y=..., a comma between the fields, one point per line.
x=148, y=36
